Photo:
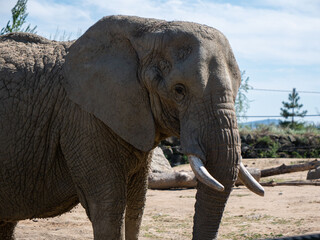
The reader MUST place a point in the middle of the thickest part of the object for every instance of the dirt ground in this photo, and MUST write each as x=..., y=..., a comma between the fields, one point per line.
x=284, y=211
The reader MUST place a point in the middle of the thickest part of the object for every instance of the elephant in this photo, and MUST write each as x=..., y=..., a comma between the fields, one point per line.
x=79, y=121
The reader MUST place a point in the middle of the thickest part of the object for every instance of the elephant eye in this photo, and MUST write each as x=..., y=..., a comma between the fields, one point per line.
x=179, y=92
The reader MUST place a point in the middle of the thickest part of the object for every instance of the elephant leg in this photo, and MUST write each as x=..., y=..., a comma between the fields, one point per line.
x=101, y=188
x=136, y=196
x=99, y=163
x=105, y=207
x=107, y=217
x=6, y=230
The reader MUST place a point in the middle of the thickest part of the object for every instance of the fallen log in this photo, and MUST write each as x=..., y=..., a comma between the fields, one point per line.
x=167, y=180
x=292, y=183
x=289, y=169
x=171, y=180
x=184, y=179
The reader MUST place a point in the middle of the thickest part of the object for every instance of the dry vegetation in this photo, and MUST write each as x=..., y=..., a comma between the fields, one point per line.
x=284, y=211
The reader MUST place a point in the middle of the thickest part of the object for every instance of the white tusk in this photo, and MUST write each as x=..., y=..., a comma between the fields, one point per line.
x=203, y=175
x=247, y=179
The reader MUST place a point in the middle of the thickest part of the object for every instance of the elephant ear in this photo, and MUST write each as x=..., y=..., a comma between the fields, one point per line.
x=101, y=75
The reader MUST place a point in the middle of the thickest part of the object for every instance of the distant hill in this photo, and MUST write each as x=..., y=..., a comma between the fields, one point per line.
x=254, y=124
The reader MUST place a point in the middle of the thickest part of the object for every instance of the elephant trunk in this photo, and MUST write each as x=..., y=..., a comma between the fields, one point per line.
x=219, y=143
x=209, y=209
x=211, y=139
x=223, y=155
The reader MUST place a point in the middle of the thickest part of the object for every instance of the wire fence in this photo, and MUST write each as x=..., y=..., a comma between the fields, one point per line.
x=276, y=116
x=279, y=90
x=283, y=91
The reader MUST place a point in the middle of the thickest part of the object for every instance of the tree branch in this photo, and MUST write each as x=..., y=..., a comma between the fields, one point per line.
x=292, y=183
x=289, y=169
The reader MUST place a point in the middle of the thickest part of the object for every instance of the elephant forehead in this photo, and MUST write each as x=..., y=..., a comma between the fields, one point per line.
x=147, y=26
x=174, y=32
x=206, y=65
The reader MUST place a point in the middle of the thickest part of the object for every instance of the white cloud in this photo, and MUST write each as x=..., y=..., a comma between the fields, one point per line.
x=271, y=30
x=53, y=16
x=279, y=31
x=5, y=6
x=5, y=12
x=310, y=7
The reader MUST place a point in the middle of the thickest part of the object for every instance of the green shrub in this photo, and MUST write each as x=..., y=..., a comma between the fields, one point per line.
x=266, y=140
x=271, y=152
x=296, y=154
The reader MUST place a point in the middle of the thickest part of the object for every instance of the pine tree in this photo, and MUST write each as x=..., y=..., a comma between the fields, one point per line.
x=291, y=110
x=19, y=16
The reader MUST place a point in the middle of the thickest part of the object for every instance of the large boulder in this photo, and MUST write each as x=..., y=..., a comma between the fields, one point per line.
x=159, y=163
x=313, y=174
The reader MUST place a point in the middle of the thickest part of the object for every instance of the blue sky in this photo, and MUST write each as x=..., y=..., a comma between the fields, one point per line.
x=277, y=42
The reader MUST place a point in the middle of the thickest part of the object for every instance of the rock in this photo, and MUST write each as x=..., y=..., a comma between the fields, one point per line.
x=291, y=138
x=244, y=147
x=171, y=141
x=274, y=137
x=177, y=159
x=284, y=141
x=243, y=138
x=313, y=174
x=283, y=155
x=177, y=150
x=252, y=154
x=250, y=138
x=159, y=163
x=167, y=151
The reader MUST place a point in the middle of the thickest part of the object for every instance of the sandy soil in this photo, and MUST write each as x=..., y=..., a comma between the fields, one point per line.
x=284, y=211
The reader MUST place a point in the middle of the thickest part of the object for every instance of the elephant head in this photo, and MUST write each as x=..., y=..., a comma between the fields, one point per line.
x=149, y=79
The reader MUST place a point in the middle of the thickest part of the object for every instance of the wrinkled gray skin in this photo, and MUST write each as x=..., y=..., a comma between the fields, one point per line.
x=78, y=121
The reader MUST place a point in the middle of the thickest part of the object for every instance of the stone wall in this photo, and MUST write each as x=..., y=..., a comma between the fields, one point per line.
x=258, y=146
x=283, y=146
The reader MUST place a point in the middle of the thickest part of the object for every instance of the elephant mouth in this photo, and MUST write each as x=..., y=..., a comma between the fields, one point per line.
x=205, y=177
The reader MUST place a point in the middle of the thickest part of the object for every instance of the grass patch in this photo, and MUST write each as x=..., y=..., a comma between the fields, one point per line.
x=254, y=236
x=160, y=217
x=241, y=195
x=298, y=223
x=249, y=236
x=276, y=180
x=149, y=235
x=161, y=226
x=277, y=221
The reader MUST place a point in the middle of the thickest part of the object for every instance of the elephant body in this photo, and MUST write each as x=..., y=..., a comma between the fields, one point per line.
x=32, y=118
x=79, y=120
x=43, y=156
